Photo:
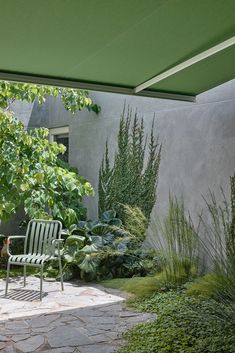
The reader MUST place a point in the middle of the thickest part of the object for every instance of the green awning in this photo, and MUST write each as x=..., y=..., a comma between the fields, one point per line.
x=119, y=45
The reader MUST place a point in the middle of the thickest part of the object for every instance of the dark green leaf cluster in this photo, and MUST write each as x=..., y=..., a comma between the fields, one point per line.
x=132, y=180
x=183, y=324
x=73, y=99
x=104, y=249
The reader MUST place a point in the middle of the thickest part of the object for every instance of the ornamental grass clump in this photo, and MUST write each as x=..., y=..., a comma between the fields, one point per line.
x=218, y=242
x=177, y=240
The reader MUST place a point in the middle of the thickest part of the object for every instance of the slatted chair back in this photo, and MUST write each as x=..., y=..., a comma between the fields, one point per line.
x=39, y=236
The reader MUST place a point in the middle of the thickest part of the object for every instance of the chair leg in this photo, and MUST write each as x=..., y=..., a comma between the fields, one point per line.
x=41, y=280
x=24, y=275
x=7, y=279
x=61, y=274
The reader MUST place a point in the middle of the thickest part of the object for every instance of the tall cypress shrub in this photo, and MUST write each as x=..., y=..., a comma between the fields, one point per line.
x=133, y=177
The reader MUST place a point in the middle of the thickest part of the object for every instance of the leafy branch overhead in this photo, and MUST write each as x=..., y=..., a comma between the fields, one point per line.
x=73, y=99
x=133, y=178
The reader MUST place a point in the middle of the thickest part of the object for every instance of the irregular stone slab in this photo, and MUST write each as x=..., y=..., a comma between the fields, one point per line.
x=9, y=350
x=127, y=314
x=43, y=320
x=99, y=348
x=3, y=338
x=100, y=338
x=70, y=336
x=41, y=329
x=113, y=335
x=61, y=350
x=15, y=325
x=17, y=338
x=111, y=320
x=30, y=345
x=2, y=345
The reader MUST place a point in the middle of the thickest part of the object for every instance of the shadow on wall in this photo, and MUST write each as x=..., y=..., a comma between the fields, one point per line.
x=12, y=227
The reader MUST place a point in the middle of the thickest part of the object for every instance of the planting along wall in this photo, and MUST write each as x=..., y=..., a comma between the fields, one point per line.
x=198, y=140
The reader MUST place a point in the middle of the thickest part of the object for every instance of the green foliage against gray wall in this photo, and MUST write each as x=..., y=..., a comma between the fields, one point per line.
x=232, y=228
x=73, y=99
x=133, y=178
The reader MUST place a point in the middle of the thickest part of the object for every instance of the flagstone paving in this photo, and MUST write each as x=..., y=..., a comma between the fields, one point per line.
x=83, y=318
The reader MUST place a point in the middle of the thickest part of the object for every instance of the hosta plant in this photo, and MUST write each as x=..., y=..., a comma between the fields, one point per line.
x=104, y=249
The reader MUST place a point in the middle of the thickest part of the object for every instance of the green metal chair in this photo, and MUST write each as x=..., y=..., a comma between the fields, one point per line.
x=41, y=244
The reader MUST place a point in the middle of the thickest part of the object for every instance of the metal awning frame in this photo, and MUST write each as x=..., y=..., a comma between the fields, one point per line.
x=60, y=82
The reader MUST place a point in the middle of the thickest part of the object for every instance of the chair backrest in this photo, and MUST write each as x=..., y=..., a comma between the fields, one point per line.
x=39, y=236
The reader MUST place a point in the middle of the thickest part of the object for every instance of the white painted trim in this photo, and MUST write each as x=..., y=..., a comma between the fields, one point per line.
x=195, y=59
x=57, y=131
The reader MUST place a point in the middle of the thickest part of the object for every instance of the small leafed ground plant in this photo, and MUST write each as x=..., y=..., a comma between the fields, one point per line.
x=183, y=324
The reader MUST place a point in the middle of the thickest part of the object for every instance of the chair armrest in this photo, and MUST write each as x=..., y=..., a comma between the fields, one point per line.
x=13, y=237
x=56, y=243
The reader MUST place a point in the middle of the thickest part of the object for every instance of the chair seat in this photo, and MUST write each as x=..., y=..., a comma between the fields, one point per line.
x=29, y=259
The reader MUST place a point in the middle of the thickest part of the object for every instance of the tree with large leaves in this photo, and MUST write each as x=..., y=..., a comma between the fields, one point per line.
x=31, y=176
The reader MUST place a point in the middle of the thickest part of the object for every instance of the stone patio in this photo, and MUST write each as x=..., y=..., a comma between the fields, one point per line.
x=83, y=318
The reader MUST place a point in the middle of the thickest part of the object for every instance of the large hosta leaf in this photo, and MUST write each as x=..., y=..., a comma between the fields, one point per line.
x=89, y=264
x=110, y=218
x=97, y=240
x=89, y=249
x=100, y=229
x=77, y=239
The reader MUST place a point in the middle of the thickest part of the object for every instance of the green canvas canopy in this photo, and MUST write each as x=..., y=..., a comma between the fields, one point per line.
x=160, y=48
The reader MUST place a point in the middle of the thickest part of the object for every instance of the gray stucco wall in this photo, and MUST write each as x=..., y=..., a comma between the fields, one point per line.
x=198, y=140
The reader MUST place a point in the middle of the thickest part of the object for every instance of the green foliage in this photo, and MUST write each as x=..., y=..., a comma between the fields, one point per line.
x=17, y=271
x=30, y=175
x=73, y=99
x=135, y=221
x=210, y=285
x=219, y=244
x=129, y=181
x=138, y=286
x=183, y=324
x=178, y=241
x=104, y=249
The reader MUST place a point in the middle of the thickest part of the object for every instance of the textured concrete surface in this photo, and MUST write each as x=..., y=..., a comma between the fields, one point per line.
x=83, y=319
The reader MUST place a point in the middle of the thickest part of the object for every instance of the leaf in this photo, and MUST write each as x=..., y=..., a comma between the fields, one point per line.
x=100, y=229
x=79, y=240
x=89, y=264
x=108, y=215
x=89, y=249
x=96, y=240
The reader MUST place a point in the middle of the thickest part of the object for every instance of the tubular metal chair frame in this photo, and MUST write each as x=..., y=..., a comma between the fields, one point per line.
x=41, y=241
